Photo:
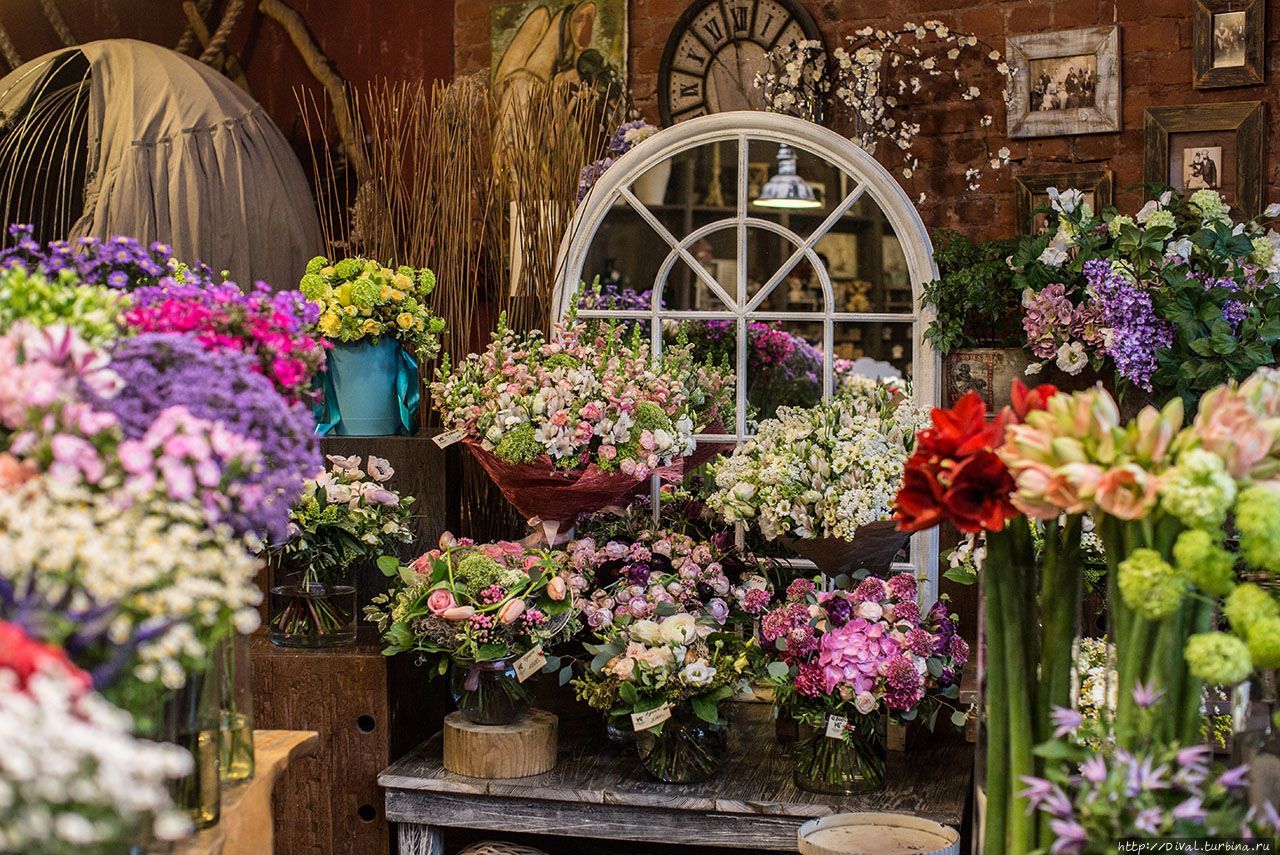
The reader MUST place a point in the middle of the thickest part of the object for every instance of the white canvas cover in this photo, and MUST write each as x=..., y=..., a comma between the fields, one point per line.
x=174, y=152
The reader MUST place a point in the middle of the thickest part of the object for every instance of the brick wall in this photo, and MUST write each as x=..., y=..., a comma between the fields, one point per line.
x=1155, y=46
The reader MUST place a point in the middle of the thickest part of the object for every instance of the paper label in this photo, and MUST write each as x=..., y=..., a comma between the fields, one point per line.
x=444, y=440
x=650, y=718
x=530, y=663
x=835, y=726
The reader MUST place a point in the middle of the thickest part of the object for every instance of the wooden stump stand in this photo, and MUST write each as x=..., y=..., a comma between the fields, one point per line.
x=525, y=747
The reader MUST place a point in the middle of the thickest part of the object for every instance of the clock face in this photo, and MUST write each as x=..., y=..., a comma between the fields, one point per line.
x=717, y=49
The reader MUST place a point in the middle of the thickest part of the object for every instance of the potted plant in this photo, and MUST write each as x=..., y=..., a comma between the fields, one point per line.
x=844, y=663
x=345, y=517
x=380, y=326
x=975, y=317
x=475, y=610
x=824, y=478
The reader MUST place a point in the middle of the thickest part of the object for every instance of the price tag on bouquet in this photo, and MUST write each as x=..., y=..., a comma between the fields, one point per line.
x=835, y=726
x=530, y=663
x=444, y=440
x=650, y=718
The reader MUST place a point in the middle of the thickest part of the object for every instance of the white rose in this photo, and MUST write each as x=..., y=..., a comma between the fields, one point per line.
x=865, y=703
x=679, y=629
x=870, y=611
x=646, y=632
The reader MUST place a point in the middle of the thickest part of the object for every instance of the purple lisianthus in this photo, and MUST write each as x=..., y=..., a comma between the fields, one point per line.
x=166, y=369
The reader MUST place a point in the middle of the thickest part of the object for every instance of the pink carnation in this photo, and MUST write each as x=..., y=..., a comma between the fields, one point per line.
x=799, y=589
x=959, y=650
x=902, y=586
x=871, y=589
x=808, y=682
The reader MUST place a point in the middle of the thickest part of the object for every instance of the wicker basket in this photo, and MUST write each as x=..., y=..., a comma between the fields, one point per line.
x=500, y=847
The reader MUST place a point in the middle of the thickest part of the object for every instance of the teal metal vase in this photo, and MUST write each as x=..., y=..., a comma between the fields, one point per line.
x=363, y=377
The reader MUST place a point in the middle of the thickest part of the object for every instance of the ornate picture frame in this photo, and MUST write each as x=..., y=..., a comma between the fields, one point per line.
x=1231, y=135
x=1030, y=192
x=1228, y=43
x=1065, y=83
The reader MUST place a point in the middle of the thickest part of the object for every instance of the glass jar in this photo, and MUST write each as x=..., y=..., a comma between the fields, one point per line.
x=684, y=749
x=842, y=766
x=307, y=611
x=488, y=692
x=192, y=721
x=237, y=759
x=618, y=730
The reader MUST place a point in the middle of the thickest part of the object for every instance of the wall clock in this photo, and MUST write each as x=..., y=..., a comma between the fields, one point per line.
x=717, y=48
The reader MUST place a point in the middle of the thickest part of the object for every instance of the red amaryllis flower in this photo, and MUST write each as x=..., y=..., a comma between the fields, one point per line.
x=25, y=656
x=1025, y=400
x=978, y=495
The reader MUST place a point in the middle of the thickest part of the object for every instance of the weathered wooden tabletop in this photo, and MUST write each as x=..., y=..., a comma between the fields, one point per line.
x=598, y=790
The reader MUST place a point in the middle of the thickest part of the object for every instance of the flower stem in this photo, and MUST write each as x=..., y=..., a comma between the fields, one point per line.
x=997, y=719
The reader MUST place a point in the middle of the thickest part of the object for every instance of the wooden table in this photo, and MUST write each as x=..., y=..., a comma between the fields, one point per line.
x=599, y=791
x=245, y=826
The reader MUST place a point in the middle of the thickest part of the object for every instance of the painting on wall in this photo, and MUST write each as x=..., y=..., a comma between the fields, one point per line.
x=1065, y=83
x=569, y=41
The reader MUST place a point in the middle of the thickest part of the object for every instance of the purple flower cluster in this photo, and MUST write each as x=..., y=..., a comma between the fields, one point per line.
x=164, y=370
x=1136, y=332
x=1051, y=319
x=590, y=174
x=118, y=261
x=613, y=295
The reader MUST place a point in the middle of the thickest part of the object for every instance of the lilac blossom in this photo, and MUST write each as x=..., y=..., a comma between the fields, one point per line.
x=1136, y=332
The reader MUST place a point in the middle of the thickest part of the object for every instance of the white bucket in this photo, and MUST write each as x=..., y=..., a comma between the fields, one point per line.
x=877, y=834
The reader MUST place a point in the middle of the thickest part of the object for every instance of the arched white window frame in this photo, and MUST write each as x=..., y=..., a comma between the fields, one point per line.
x=868, y=178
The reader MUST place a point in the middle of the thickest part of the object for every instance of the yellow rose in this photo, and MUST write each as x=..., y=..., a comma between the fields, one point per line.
x=397, y=296
x=385, y=293
x=343, y=293
x=326, y=272
x=330, y=323
x=350, y=310
x=402, y=281
x=405, y=320
x=372, y=327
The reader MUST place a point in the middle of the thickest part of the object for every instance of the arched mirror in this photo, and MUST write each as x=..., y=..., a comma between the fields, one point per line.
x=771, y=241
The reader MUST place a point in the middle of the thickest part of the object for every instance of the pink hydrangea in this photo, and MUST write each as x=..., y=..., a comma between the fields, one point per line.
x=853, y=654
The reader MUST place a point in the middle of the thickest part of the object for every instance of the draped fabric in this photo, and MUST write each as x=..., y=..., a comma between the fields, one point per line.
x=175, y=152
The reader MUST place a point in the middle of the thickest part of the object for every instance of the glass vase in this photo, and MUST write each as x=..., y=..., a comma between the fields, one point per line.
x=237, y=759
x=192, y=721
x=853, y=763
x=619, y=731
x=306, y=611
x=684, y=749
x=488, y=692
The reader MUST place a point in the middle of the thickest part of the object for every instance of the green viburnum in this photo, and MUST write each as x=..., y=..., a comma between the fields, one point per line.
x=317, y=264
x=1118, y=222
x=1247, y=605
x=1263, y=638
x=1199, y=490
x=312, y=286
x=477, y=572
x=1263, y=252
x=561, y=360
x=1218, y=658
x=520, y=445
x=44, y=301
x=1258, y=519
x=648, y=416
x=365, y=292
x=1149, y=584
x=348, y=267
x=1204, y=563
x=1210, y=206
x=1161, y=219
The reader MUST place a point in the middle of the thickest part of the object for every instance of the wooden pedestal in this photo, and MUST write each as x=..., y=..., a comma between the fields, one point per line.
x=525, y=747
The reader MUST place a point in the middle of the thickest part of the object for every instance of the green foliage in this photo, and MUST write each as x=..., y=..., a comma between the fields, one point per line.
x=43, y=301
x=975, y=298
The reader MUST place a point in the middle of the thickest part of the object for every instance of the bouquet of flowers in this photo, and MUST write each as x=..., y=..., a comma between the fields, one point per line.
x=666, y=571
x=277, y=329
x=667, y=679
x=344, y=516
x=72, y=774
x=359, y=299
x=117, y=262
x=60, y=299
x=844, y=661
x=572, y=423
x=626, y=137
x=481, y=608
x=827, y=473
x=1179, y=297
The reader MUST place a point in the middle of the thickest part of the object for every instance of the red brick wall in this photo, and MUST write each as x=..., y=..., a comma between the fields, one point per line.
x=1155, y=45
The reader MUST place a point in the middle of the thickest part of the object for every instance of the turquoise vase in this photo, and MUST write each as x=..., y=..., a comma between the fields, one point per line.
x=363, y=377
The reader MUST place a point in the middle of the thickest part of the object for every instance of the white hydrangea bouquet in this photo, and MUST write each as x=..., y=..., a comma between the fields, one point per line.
x=826, y=473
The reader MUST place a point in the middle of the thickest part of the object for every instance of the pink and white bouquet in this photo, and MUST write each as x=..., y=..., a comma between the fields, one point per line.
x=571, y=423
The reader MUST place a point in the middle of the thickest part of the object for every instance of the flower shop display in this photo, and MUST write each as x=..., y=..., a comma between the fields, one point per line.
x=381, y=327
x=651, y=188
x=482, y=612
x=571, y=423
x=1161, y=494
x=72, y=774
x=1177, y=298
x=346, y=516
x=665, y=678
x=844, y=662
x=118, y=261
x=824, y=478
x=44, y=299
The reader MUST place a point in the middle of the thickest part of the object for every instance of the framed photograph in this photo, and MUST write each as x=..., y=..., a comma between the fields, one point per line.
x=1229, y=39
x=1031, y=194
x=1065, y=83
x=841, y=251
x=1214, y=146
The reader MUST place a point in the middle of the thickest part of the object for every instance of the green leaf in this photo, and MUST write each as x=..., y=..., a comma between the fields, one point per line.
x=1055, y=750
x=389, y=565
x=665, y=609
x=961, y=575
x=934, y=666
x=959, y=718
x=566, y=674
x=628, y=693
x=705, y=709
x=778, y=670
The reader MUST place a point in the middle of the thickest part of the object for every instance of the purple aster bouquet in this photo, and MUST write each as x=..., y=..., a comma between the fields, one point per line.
x=165, y=369
x=1094, y=798
x=843, y=662
x=118, y=261
x=627, y=136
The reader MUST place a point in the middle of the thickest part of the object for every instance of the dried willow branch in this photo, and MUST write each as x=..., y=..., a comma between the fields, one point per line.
x=59, y=23
x=7, y=48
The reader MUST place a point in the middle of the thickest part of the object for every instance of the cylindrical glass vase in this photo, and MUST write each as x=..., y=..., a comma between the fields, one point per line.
x=237, y=760
x=684, y=749
x=842, y=766
x=488, y=692
x=305, y=611
x=192, y=721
